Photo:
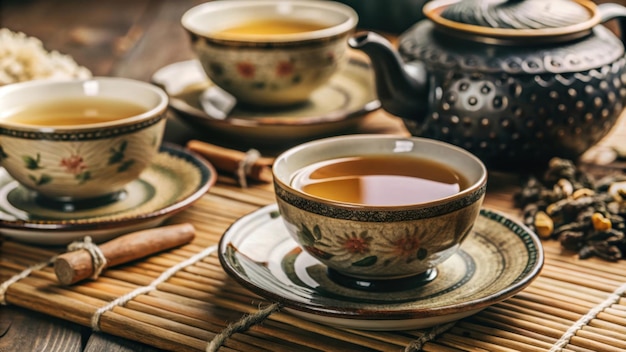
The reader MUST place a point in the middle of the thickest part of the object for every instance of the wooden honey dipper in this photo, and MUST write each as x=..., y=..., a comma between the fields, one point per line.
x=75, y=266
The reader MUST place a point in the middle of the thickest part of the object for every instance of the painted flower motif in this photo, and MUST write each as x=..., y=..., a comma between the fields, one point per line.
x=330, y=57
x=32, y=163
x=74, y=164
x=407, y=247
x=348, y=244
x=353, y=247
x=246, y=69
x=284, y=68
x=356, y=243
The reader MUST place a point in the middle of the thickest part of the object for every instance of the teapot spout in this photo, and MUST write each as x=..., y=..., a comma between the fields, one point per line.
x=401, y=88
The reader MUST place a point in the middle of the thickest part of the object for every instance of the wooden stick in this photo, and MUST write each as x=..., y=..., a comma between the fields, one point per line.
x=229, y=159
x=75, y=266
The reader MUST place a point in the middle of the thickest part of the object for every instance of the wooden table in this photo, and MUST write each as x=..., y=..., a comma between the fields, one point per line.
x=133, y=39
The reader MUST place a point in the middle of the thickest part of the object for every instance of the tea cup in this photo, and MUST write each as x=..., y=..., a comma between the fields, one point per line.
x=270, y=53
x=399, y=228
x=80, y=139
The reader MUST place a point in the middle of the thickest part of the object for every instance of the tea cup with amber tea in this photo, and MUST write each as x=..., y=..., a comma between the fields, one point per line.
x=270, y=53
x=379, y=211
x=73, y=140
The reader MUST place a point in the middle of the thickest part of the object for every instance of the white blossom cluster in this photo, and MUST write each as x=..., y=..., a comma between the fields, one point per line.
x=24, y=58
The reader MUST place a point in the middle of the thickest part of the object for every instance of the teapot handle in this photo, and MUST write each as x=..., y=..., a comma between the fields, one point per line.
x=609, y=11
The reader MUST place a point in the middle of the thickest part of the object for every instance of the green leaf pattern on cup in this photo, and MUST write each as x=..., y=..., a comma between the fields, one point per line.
x=41, y=180
x=367, y=261
x=74, y=164
x=83, y=177
x=32, y=163
x=117, y=155
x=125, y=165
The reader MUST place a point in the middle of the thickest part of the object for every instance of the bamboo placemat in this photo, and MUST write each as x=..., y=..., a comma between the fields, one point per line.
x=189, y=309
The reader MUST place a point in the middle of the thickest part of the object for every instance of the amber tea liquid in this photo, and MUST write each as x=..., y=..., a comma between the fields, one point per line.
x=74, y=111
x=380, y=180
x=273, y=26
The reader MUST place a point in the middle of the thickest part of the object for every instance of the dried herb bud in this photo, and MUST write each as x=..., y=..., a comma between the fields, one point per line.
x=603, y=184
x=603, y=236
x=616, y=208
x=585, y=215
x=530, y=193
x=586, y=251
x=530, y=210
x=583, y=192
x=600, y=223
x=572, y=240
x=604, y=251
x=617, y=190
x=581, y=227
x=565, y=187
x=568, y=208
x=543, y=224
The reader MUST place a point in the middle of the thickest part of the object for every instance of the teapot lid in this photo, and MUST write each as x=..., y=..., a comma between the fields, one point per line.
x=506, y=19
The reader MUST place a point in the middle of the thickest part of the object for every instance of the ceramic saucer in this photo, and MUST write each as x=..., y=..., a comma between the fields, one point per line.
x=173, y=181
x=337, y=106
x=499, y=258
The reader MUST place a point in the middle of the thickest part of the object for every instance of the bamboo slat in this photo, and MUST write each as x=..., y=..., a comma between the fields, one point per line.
x=198, y=302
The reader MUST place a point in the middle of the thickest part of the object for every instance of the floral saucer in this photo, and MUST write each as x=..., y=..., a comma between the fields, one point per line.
x=337, y=106
x=174, y=180
x=498, y=259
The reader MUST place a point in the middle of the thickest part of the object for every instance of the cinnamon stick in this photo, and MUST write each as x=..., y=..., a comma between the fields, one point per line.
x=75, y=266
x=229, y=160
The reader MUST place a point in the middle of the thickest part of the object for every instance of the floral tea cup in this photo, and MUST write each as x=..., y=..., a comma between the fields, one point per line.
x=368, y=245
x=270, y=53
x=70, y=140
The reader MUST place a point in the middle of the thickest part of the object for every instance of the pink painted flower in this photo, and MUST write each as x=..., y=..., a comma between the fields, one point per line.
x=356, y=244
x=405, y=246
x=246, y=69
x=284, y=68
x=74, y=164
x=330, y=57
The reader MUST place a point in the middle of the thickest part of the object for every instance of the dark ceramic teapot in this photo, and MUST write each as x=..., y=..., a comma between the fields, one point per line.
x=515, y=82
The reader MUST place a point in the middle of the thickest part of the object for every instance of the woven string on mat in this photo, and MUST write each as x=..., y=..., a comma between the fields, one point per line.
x=250, y=320
x=245, y=166
x=218, y=340
x=585, y=319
